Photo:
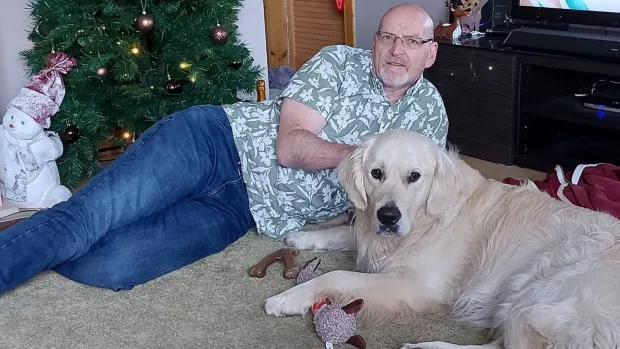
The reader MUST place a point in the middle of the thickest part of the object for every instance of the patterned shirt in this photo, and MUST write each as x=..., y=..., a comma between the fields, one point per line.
x=339, y=84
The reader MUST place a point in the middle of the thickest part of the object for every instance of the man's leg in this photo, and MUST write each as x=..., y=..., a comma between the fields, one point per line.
x=165, y=241
x=186, y=155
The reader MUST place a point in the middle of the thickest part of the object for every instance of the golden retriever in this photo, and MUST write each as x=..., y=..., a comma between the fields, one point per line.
x=432, y=234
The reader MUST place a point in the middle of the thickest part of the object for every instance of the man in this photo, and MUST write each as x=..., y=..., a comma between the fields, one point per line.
x=197, y=180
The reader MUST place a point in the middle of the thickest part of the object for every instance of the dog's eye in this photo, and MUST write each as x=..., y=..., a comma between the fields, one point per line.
x=376, y=173
x=413, y=176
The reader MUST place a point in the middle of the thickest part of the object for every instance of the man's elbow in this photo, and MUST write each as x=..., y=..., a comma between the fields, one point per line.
x=284, y=154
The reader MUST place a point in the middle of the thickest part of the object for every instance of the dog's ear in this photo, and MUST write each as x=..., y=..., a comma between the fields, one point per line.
x=351, y=176
x=445, y=185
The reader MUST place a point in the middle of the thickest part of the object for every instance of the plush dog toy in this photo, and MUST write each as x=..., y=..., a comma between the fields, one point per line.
x=335, y=324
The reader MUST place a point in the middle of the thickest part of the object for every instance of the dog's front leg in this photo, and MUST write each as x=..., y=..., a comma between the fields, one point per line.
x=338, y=238
x=377, y=290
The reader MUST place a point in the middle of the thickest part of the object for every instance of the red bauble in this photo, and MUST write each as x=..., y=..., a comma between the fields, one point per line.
x=219, y=34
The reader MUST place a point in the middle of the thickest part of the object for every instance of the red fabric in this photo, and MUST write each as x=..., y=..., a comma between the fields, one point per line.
x=598, y=188
x=340, y=5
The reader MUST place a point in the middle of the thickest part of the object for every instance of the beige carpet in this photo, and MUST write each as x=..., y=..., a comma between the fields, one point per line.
x=210, y=304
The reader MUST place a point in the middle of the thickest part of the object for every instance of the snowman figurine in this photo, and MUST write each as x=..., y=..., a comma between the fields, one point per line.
x=28, y=152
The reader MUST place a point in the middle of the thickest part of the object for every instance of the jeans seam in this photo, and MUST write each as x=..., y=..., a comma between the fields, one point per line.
x=214, y=117
x=93, y=188
x=219, y=188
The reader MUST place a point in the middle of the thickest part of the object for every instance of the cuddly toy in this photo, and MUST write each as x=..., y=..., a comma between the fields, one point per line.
x=29, y=175
x=335, y=323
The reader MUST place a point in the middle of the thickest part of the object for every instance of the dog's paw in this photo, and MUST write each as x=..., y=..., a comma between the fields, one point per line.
x=295, y=301
x=302, y=240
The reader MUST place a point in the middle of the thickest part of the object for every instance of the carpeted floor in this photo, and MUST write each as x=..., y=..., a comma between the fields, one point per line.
x=212, y=303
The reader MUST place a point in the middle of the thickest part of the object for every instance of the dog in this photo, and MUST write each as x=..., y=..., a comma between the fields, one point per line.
x=433, y=235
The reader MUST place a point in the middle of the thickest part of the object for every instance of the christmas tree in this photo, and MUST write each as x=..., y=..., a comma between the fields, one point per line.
x=137, y=61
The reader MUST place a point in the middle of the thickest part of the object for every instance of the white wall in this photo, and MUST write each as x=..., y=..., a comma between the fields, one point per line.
x=369, y=12
x=15, y=21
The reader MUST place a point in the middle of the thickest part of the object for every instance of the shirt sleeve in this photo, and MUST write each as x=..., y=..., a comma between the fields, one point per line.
x=317, y=83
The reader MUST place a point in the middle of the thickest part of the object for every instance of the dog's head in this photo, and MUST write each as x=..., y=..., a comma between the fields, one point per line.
x=396, y=177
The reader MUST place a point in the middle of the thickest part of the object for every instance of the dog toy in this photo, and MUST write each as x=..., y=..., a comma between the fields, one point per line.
x=285, y=255
x=334, y=323
x=309, y=271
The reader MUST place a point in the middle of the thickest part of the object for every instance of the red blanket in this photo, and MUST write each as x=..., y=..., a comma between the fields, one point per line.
x=595, y=186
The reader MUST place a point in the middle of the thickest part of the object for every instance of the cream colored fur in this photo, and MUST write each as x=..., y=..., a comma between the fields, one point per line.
x=542, y=273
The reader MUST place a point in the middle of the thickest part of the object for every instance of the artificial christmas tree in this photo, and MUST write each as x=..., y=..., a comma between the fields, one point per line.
x=137, y=61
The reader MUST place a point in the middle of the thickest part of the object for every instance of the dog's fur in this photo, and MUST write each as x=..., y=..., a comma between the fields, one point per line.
x=541, y=272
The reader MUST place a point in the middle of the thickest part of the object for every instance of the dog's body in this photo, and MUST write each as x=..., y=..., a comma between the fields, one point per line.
x=544, y=273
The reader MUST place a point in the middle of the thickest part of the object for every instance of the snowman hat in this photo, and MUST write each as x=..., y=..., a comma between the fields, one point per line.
x=42, y=97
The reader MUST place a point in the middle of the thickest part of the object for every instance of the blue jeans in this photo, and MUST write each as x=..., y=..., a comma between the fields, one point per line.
x=175, y=196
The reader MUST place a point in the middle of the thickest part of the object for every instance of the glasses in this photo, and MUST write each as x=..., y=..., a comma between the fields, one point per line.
x=409, y=42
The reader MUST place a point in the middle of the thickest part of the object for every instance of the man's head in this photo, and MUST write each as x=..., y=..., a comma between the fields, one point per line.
x=402, y=47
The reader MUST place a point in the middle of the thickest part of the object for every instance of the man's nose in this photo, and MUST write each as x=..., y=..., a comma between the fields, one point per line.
x=398, y=47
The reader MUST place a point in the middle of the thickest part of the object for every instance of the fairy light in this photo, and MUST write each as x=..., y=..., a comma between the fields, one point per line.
x=135, y=50
x=184, y=65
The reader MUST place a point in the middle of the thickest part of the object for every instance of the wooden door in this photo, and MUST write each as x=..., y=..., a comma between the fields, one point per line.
x=298, y=29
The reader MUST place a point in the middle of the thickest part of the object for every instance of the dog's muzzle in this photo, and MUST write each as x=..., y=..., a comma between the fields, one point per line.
x=389, y=216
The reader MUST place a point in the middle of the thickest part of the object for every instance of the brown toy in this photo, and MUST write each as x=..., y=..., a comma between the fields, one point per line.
x=285, y=255
x=448, y=31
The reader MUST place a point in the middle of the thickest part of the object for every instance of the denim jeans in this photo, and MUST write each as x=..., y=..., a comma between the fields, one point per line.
x=175, y=196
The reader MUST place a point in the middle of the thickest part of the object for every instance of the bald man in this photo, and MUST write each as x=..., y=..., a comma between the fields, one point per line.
x=202, y=177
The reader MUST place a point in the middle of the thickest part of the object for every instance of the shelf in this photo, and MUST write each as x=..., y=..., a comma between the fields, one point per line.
x=570, y=154
x=569, y=109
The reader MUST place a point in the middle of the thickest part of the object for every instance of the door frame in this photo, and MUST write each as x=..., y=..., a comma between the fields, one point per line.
x=278, y=42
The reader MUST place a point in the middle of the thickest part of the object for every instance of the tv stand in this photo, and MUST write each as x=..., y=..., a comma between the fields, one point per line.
x=565, y=41
x=518, y=106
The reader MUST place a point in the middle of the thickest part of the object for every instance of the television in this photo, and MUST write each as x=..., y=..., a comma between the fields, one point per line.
x=599, y=13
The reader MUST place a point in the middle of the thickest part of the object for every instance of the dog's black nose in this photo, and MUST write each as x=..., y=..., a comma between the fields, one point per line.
x=388, y=215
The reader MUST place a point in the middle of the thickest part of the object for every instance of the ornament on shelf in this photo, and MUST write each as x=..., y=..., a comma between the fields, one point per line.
x=236, y=65
x=30, y=177
x=70, y=135
x=219, y=34
x=145, y=22
x=103, y=71
x=173, y=87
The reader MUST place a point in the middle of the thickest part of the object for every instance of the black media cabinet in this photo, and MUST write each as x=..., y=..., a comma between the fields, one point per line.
x=518, y=107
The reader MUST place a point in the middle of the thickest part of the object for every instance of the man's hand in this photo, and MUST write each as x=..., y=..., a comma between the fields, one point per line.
x=298, y=144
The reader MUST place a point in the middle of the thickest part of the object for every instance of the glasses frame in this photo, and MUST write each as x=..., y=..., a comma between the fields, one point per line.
x=378, y=34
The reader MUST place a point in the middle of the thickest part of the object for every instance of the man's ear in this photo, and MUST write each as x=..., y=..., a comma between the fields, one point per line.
x=445, y=185
x=351, y=176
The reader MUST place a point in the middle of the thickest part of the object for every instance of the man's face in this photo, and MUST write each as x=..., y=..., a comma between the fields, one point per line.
x=400, y=51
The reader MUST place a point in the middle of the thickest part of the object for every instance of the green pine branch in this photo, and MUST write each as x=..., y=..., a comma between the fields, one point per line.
x=102, y=34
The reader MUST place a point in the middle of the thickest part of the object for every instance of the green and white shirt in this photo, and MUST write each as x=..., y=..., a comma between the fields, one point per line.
x=339, y=84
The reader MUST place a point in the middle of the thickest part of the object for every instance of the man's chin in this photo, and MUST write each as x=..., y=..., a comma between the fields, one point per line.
x=395, y=79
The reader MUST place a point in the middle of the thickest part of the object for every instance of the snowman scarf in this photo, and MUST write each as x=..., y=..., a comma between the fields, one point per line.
x=21, y=167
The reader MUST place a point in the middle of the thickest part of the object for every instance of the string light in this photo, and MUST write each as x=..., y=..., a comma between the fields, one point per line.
x=135, y=50
x=184, y=65
x=192, y=78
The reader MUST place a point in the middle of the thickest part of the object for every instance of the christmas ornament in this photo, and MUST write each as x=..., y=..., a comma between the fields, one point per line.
x=219, y=34
x=43, y=29
x=145, y=22
x=30, y=173
x=103, y=71
x=236, y=65
x=173, y=87
x=70, y=135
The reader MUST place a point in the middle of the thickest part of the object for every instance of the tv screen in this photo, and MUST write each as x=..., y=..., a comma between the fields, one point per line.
x=582, y=5
x=597, y=13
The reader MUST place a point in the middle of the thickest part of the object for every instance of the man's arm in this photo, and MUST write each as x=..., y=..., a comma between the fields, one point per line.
x=298, y=144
